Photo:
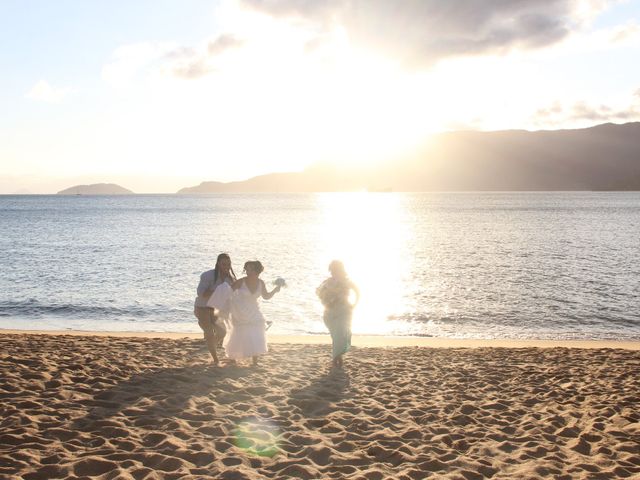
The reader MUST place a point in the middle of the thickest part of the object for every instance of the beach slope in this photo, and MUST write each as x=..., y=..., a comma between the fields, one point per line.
x=153, y=408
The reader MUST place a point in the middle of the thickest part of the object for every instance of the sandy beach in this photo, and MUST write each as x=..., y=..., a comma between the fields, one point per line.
x=151, y=406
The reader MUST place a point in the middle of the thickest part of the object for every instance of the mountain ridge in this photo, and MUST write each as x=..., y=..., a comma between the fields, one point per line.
x=602, y=157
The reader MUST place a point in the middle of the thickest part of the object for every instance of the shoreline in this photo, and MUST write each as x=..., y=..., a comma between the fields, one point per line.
x=363, y=340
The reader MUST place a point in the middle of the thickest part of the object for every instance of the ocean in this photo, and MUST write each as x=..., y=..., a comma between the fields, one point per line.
x=520, y=265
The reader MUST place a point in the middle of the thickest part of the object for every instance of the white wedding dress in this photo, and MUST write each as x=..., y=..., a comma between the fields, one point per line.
x=247, y=336
x=220, y=299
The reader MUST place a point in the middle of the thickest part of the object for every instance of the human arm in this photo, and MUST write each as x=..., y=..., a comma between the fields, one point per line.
x=237, y=284
x=267, y=295
x=356, y=291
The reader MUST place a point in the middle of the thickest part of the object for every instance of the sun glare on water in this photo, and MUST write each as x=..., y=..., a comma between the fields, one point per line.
x=369, y=233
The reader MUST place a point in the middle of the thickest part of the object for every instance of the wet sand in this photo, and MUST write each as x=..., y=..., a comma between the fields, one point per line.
x=94, y=406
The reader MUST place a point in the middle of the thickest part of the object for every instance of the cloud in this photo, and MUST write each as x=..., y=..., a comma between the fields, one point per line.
x=618, y=36
x=181, y=53
x=422, y=32
x=602, y=113
x=189, y=63
x=43, y=92
x=193, y=69
x=584, y=113
x=184, y=62
x=626, y=33
x=224, y=43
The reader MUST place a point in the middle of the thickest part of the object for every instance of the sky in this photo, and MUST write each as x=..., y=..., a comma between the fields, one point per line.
x=156, y=95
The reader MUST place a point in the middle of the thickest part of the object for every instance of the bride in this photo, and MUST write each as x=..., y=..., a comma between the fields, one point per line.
x=248, y=337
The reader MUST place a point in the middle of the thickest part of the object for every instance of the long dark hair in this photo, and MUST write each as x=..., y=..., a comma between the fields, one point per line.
x=223, y=256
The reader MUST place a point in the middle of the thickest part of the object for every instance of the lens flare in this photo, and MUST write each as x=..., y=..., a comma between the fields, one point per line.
x=257, y=436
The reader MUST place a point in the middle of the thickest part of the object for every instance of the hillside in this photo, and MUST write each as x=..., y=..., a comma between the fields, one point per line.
x=604, y=157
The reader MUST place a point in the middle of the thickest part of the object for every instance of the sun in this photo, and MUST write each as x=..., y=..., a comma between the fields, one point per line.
x=285, y=99
x=294, y=97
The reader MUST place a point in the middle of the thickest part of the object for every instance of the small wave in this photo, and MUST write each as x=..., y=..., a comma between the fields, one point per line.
x=35, y=309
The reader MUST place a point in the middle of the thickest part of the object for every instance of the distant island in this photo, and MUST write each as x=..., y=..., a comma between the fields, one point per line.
x=96, y=189
x=604, y=157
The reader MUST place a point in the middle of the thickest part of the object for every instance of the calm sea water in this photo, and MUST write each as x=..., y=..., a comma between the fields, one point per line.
x=481, y=265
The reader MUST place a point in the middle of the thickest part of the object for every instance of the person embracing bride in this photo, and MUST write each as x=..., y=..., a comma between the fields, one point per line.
x=247, y=337
x=214, y=285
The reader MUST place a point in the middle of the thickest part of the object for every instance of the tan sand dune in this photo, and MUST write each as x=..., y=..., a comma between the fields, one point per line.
x=147, y=408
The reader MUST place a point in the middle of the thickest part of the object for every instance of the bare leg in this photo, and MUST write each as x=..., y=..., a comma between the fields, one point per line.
x=206, y=325
x=211, y=340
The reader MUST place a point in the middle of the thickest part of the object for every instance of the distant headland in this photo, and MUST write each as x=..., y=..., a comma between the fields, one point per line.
x=96, y=189
x=603, y=157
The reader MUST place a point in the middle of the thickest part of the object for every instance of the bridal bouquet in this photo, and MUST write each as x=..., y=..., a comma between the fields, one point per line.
x=280, y=282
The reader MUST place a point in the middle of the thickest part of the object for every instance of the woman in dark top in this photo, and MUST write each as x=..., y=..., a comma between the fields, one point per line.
x=334, y=294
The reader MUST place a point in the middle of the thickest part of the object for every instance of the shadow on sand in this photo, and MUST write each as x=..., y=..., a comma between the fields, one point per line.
x=321, y=395
x=154, y=397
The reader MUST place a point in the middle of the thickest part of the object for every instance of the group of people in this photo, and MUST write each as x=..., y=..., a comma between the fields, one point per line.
x=229, y=314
